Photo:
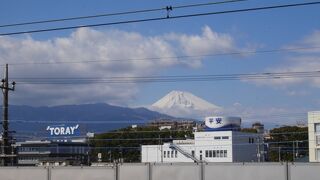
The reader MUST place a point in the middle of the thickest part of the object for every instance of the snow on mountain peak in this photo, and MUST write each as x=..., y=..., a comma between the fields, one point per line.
x=178, y=103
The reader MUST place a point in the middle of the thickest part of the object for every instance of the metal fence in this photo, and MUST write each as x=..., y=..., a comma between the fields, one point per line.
x=174, y=171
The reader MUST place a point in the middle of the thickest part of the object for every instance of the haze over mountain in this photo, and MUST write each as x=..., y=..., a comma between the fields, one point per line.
x=185, y=104
x=91, y=117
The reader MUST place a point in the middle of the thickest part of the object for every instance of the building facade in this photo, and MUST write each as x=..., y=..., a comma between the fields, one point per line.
x=63, y=145
x=314, y=136
x=55, y=153
x=221, y=142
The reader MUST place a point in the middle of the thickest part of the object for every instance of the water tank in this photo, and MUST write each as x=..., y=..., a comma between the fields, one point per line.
x=259, y=127
x=222, y=123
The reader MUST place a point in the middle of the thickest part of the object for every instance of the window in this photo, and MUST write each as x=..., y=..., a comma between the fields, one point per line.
x=217, y=137
x=221, y=153
x=225, y=137
x=251, y=140
x=214, y=153
x=176, y=154
x=225, y=153
x=164, y=154
x=218, y=153
x=317, y=127
x=200, y=151
x=192, y=152
x=172, y=154
x=207, y=153
x=210, y=153
x=168, y=154
x=318, y=139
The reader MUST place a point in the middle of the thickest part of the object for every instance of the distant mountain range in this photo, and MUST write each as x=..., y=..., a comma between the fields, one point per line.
x=91, y=117
x=186, y=105
x=101, y=117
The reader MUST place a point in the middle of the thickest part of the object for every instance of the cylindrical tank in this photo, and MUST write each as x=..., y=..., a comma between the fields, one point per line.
x=259, y=127
x=222, y=123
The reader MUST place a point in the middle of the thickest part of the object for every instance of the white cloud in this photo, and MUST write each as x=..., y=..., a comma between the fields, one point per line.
x=209, y=42
x=87, y=44
x=304, y=60
x=270, y=116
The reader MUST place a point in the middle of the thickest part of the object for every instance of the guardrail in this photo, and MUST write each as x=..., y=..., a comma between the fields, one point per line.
x=168, y=171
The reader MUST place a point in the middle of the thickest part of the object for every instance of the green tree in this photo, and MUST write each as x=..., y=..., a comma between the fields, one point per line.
x=285, y=141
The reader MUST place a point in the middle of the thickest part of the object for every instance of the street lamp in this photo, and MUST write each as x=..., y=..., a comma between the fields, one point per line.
x=279, y=154
x=296, y=154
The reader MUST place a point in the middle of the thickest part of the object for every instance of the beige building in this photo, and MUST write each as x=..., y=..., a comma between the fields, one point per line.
x=314, y=136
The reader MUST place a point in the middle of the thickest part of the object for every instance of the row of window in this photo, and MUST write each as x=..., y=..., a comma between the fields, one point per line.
x=221, y=137
x=69, y=149
x=216, y=153
x=29, y=158
x=208, y=154
x=170, y=154
x=28, y=149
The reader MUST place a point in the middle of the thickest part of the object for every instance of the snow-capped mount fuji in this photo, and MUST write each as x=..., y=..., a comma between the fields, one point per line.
x=184, y=104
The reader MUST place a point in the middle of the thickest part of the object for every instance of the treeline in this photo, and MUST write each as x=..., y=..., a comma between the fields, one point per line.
x=124, y=144
x=288, y=143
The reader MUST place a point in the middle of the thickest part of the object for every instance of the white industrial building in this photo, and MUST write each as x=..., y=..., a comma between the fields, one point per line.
x=314, y=136
x=220, y=142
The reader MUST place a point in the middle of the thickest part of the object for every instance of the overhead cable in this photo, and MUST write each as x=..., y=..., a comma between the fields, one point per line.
x=179, y=58
x=159, y=79
x=118, y=13
x=163, y=18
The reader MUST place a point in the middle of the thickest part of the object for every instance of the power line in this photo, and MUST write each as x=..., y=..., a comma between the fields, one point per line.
x=170, y=139
x=161, y=79
x=135, y=147
x=205, y=4
x=148, y=122
x=162, y=18
x=82, y=17
x=174, y=58
x=292, y=73
x=119, y=13
x=175, y=131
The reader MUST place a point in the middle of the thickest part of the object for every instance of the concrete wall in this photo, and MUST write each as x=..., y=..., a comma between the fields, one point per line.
x=168, y=171
x=239, y=171
x=151, y=153
x=313, y=117
x=304, y=171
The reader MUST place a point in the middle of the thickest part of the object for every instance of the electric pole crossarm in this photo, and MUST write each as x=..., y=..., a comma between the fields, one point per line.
x=12, y=88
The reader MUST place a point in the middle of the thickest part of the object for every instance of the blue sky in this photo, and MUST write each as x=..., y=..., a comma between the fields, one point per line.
x=259, y=30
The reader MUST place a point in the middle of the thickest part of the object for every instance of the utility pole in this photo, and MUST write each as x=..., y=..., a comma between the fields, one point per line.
x=6, y=144
x=279, y=154
x=293, y=154
x=259, y=151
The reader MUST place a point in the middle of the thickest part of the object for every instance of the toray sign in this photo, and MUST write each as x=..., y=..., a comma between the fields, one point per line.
x=63, y=130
